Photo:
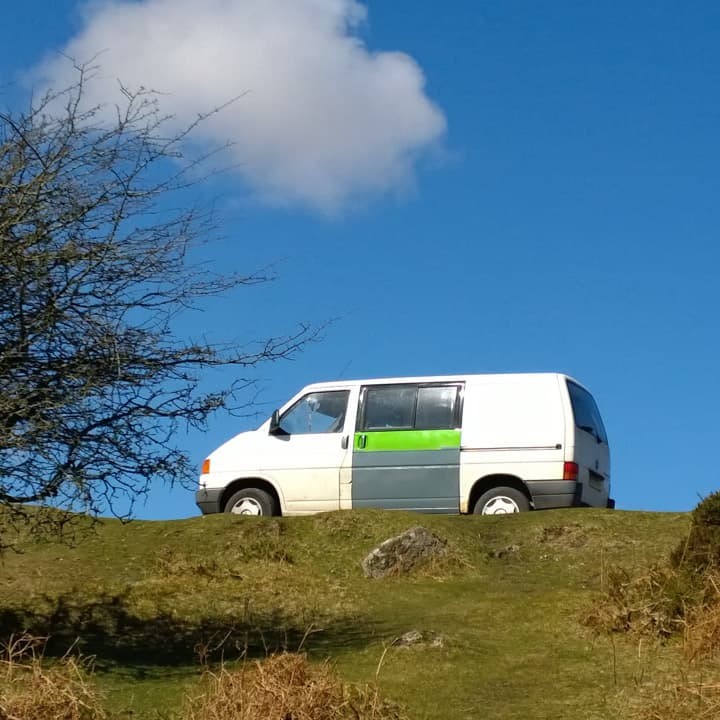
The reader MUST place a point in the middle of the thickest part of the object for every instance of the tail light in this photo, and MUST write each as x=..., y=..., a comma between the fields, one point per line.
x=570, y=471
x=206, y=466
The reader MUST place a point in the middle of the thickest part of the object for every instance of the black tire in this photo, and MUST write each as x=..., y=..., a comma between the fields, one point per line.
x=250, y=501
x=501, y=501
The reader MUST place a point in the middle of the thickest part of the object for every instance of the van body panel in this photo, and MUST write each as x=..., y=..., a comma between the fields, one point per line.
x=407, y=470
x=481, y=466
x=512, y=411
x=422, y=444
x=304, y=469
x=308, y=468
x=534, y=469
x=514, y=426
x=426, y=480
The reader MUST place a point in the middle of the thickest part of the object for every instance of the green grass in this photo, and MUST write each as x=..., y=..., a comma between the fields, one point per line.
x=150, y=599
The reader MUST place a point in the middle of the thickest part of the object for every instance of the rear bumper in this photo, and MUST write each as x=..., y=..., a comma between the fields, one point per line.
x=209, y=500
x=547, y=494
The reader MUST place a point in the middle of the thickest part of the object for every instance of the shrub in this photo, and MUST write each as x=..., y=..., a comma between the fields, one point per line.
x=701, y=549
x=655, y=603
x=31, y=691
x=682, y=595
x=286, y=686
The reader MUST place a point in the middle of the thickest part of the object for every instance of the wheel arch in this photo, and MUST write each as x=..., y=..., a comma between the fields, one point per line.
x=252, y=482
x=488, y=482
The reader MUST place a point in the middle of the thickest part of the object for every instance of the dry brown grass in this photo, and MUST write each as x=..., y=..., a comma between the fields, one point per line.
x=702, y=628
x=662, y=603
x=686, y=701
x=655, y=603
x=30, y=690
x=286, y=687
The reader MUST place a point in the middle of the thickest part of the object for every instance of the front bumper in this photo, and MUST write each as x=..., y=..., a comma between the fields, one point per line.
x=209, y=500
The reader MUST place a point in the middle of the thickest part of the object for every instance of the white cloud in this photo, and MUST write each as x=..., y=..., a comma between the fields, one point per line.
x=324, y=123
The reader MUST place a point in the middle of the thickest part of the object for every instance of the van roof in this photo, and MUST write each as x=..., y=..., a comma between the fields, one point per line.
x=503, y=377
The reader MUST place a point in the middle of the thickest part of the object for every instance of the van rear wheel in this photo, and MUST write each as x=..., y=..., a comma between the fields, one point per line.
x=250, y=501
x=501, y=501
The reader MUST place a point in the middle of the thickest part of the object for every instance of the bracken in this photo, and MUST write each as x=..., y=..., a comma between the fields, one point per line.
x=30, y=691
x=286, y=687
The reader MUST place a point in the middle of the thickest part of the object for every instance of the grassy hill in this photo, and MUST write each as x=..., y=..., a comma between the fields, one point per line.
x=152, y=601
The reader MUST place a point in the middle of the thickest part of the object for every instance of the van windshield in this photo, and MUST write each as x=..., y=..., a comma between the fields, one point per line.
x=587, y=415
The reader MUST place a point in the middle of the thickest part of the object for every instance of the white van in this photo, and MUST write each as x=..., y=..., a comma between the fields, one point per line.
x=484, y=444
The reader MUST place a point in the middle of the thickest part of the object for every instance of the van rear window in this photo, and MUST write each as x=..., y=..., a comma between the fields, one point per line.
x=587, y=415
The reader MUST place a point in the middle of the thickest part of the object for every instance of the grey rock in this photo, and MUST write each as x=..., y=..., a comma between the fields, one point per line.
x=504, y=552
x=403, y=553
x=409, y=638
x=418, y=637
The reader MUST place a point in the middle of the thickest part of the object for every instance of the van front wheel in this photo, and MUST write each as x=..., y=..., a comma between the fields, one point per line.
x=250, y=501
x=501, y=501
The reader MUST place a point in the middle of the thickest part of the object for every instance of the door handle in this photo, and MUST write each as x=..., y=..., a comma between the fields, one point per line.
x=362, y=441
x=344, y=442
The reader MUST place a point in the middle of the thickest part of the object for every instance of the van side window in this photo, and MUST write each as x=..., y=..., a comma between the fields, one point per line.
x=390, y=407
x=436, y=407
x=409, y=407
x=587, y=415
x=317, y=412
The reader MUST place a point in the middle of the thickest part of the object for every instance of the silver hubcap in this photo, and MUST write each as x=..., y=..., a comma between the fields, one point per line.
x=500, y=505
x=247, y=506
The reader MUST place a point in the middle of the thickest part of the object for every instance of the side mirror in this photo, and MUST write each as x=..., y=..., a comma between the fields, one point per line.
x=275, y=422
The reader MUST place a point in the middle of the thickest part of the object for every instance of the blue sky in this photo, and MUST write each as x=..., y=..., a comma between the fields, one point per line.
x=558, y=212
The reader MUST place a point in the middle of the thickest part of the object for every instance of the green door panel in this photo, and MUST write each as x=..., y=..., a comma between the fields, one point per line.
x=385, y=440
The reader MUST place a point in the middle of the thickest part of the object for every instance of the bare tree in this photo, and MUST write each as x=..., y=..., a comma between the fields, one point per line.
x=94, y=269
